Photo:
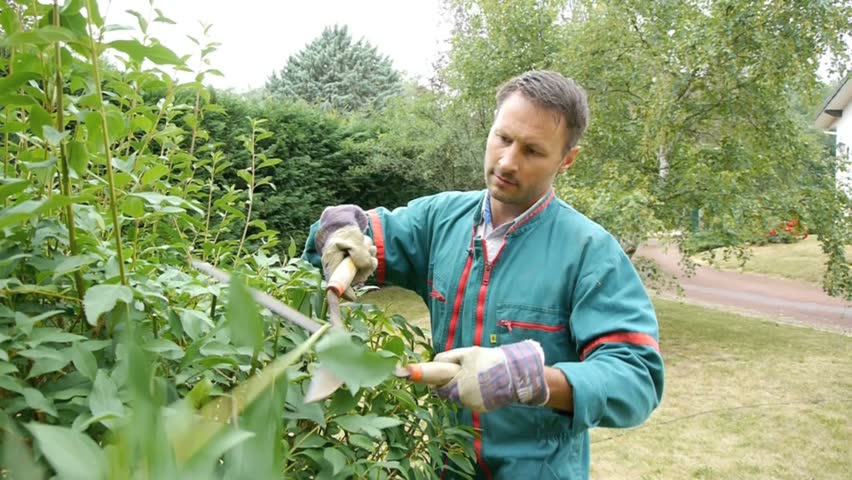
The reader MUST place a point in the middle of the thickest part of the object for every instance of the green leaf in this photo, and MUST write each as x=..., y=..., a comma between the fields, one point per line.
x=37, y=401
x=298, y=409
x=362, y=441
x=216, y=448
x=53, y=136
x=310, y=440
x=291, y=249
x=154, y=173
x=162, y=55
x=133, y=207
x=39, y=36
x=200, y=392
x=72, y=454
x=39, y=118
x=17, y=458
x=15, y=80
x=84, y=360
x=39, y=353
x=143, y=24
x=195, y=323
x=9, y=21
x=78, y=157
x=337, y=459
x=133, y=48
x=95, y=130
x=243, y=316
x=369, y=424
x=47, y=365
x=11, y=384
x=102, y=298
x=138, y=52
x=51, y=334
x=72, y=264
x=116, y=124
x=27, y=209
x=166, y=348
x=104, y=397
x=6, y=367
x=357, y=365
x=14, y=100
x=11, y=188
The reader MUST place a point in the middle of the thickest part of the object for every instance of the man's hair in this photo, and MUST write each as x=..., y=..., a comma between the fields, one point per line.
x=561, y=95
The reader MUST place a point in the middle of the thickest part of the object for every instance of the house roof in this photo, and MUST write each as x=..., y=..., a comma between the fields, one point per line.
x=833, y=107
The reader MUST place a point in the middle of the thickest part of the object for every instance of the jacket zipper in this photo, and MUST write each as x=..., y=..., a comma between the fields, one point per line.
x=477, y=340
x=460, y=291
x=530, y=326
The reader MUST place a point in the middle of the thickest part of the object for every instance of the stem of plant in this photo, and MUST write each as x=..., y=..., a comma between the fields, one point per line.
x=195, y=125
x=110, y=177
x=250, y=189
x=6, y=133
x=211, y=186
x=64, y=171
x=254, y=361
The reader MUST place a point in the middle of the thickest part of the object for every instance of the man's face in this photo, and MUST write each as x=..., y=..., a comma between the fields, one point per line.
x=525, y=151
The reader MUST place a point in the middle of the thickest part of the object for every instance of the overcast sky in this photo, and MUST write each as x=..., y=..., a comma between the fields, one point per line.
x=257, y=36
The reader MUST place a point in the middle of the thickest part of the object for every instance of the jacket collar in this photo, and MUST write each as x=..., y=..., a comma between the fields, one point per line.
x=525, y=220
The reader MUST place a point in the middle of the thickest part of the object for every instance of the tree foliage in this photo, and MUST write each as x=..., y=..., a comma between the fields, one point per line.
x=337, y=74
x=696, y=107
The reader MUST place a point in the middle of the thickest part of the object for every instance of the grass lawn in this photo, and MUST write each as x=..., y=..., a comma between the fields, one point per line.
x=744, y=399
x=802, y=261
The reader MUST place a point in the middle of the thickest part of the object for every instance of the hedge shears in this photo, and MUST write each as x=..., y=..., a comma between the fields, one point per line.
x=323, y=381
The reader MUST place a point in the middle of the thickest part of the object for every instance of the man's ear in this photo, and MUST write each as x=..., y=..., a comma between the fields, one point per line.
x=569, y=159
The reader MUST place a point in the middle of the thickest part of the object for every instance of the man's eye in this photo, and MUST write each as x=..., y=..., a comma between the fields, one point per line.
x=504, y=138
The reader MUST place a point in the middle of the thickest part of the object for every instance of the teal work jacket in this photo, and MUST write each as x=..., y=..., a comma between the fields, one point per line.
x=559, y=279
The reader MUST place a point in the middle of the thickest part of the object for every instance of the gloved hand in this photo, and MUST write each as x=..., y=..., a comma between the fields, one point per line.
x=350, y=242
x=340, y=234
x=491, y=378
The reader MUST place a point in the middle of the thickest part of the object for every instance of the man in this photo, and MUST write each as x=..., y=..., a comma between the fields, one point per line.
x=552, y=327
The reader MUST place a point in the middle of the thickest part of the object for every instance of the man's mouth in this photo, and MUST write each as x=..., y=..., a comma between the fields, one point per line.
x=505, y=180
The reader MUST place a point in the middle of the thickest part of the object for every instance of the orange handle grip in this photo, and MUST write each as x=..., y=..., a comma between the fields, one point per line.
x=342, y=276
x=433, y=373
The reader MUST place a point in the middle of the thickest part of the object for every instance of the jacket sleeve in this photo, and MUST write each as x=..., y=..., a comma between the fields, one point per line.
x=403, y=243
x=619, y=379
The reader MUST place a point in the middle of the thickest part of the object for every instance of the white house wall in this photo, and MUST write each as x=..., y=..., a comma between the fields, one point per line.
x=844, y=148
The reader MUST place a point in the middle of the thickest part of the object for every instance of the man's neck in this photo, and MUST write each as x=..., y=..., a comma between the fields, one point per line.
x=502, y=213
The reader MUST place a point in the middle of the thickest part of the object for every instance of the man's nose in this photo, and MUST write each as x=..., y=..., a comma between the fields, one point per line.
x=510, y=158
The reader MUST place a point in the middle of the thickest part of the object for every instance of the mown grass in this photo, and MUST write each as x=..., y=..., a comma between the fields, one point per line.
x=803, y=261
x=744, y=399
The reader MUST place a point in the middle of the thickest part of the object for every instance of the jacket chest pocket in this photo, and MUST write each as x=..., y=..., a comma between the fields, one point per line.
x=549, y=327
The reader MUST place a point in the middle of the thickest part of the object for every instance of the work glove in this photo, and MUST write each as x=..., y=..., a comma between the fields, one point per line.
x=340, y=235
x=491, y=378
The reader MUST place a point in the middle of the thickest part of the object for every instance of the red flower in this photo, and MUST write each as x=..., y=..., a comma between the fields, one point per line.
x=773, y=232
x=788, y=228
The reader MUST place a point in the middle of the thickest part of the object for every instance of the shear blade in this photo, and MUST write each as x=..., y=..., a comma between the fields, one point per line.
x=323, y=384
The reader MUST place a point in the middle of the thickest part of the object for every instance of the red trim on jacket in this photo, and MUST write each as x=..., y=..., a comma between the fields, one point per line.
x=509, y=324
x=532, y=214
x=633, y=338
x=451, y=333
x=379, y=240
x=477, y=446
